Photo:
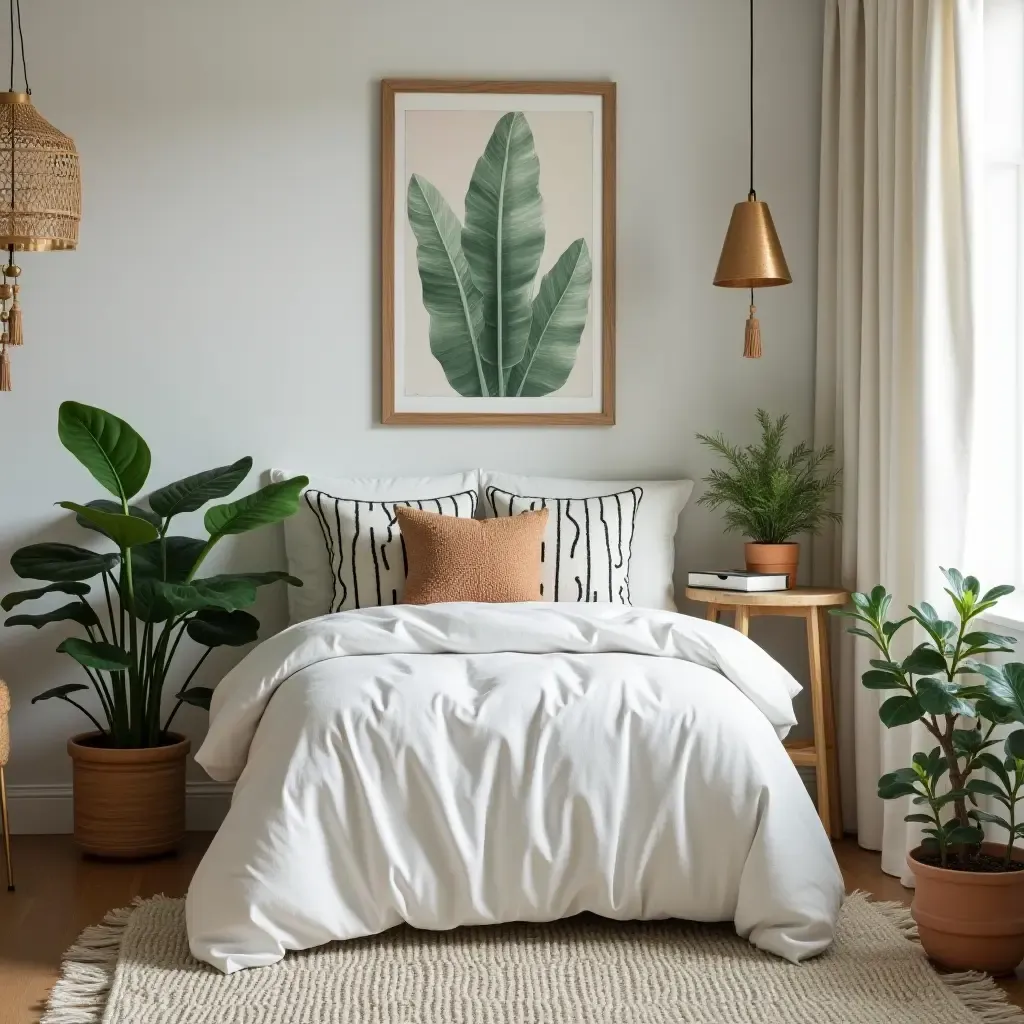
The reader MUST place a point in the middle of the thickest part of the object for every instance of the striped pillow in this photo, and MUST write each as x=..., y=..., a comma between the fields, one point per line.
x=364, y=546
x=585, y=554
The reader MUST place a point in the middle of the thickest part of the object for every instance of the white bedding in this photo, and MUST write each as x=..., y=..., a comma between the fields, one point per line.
x=467, y=764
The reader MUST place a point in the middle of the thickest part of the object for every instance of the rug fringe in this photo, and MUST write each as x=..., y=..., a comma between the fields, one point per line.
x=977, y=991
x=87, y=970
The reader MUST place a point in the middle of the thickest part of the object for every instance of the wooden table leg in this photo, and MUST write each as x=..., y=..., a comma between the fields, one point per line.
x=712, y=612
x=821, y=765
x=742, y=621
x=831, y=741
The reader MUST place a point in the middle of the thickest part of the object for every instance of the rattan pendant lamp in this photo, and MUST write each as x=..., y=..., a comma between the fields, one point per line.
x=752, y=254
x=40, y=192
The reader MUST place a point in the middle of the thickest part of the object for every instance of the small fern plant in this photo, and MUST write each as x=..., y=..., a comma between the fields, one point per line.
x=770, y=497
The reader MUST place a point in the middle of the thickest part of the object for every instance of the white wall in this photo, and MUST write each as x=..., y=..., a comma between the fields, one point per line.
x=224, y=296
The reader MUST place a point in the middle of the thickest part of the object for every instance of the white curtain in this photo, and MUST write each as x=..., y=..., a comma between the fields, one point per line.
x=898, y=282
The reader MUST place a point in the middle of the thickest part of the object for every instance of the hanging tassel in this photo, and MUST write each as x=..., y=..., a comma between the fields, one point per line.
x=5, y=366
x=14, y=320
x=751, y=336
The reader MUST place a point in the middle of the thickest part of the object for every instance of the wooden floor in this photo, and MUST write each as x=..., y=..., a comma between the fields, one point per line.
x=59, y=893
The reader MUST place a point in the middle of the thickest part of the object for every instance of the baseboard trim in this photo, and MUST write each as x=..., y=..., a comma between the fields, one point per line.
x=47, y=810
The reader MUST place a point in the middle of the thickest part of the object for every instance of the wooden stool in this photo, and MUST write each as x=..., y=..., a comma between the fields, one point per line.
x=811, y=605
x=5, y=753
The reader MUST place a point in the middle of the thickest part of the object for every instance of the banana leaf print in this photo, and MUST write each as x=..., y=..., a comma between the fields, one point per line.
x=492, y=336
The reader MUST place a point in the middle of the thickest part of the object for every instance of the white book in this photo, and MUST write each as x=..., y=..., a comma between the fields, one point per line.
x=739, y=579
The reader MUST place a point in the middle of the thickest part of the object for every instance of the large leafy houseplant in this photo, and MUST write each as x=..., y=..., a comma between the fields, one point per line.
x=153, y=594
x=491, y=333
x=960, y=700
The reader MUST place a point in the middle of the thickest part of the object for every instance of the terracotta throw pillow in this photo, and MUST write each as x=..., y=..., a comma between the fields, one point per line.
x=453, y=559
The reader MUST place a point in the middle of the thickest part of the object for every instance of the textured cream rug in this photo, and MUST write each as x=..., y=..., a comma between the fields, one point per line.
x=135, y=969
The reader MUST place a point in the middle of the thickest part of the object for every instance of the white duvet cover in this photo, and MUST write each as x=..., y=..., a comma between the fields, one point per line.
x=468, y=764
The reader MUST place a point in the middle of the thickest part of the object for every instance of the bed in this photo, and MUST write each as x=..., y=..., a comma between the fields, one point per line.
x=459, y=764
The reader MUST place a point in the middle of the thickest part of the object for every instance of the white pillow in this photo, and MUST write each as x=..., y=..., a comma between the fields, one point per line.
x=323, y=532
x=652, y=560
x=586, y=549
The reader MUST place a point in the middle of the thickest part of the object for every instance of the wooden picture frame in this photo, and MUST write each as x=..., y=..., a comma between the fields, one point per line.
x=463, y=331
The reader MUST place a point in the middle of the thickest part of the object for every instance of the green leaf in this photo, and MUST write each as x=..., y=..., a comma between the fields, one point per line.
x=124, y=531
x=503, y=240
x=157, y=601
x=450, y=297
x=268, y=505
x=1007, y=689
x=980, y=638
x=968, y=835
x=955, y=579
x=107, y=446
x=941, y=698
x=991, y=596
x=982, y=787
x=60, y=562
x=993, y=819
x=924, y=819
x=861, y=601
x=213, y=628
x=95, y=654
x=59, y=691
x=890, y=628
x=257, y=579
x=878, y=680
x=106, y=505
x=864, y=633
x=75, y=611
x=181, y=553
x=994, y=765
x=1014, y=745
x=895, y=790
x=993, y=712
x=195, y=491
x=967, y=741
x=924, y=660
x=900, y=775
x=901, y=710
x=20, y=596
x=559, y=316
x=199, y=696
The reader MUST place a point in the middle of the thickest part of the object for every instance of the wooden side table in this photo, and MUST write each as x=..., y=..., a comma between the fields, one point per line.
x=810, y=604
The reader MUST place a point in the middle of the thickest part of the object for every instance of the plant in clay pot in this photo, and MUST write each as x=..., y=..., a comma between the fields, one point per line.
x=771, y=497
x=969, y=898
x=129, y=773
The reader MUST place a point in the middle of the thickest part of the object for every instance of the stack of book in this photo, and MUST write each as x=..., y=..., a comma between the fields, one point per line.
x=739, y=579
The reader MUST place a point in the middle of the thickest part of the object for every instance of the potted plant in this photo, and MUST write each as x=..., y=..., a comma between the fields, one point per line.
x=770, y=497
x=129, y=772
x=969, y=898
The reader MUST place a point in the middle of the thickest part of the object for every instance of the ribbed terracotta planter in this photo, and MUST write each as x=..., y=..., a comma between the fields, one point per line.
x=776, y=558
x=970, y=920
x=128, y=803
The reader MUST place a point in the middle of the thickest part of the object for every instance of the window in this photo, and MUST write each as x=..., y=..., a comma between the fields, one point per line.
x=996, y=516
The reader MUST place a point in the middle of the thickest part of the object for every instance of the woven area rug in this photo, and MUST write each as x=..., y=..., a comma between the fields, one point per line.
x=135, y=969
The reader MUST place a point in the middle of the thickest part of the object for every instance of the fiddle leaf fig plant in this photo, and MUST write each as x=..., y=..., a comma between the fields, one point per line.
x=152, y=594
x=961, y=701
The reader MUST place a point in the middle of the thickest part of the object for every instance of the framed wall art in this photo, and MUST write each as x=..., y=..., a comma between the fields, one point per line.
x=498, y=252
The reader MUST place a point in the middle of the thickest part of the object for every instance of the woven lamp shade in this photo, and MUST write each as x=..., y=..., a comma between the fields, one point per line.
x=39, y=167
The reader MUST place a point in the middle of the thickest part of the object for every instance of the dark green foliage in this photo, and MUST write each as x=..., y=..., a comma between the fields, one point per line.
x=960, y=701
x=770, y=497
x=151, y=595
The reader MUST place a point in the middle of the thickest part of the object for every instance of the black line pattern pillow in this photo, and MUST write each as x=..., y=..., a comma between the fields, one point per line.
x=585, y=554
x=364, y=546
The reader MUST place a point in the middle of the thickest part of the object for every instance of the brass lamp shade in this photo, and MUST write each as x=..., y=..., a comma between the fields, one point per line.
x=40, y=181
x=752, y=254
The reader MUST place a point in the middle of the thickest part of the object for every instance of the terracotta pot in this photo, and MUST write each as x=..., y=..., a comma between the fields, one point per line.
x=128, y=803
x=970, y=920
x=773, y=558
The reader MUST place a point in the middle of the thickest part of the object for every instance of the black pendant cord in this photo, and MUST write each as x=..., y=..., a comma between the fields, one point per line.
x=754, y=195
x=15, y=6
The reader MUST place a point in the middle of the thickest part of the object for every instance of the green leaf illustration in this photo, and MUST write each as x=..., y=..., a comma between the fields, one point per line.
x=449, y=294
x=559, y=316
x=504, y=239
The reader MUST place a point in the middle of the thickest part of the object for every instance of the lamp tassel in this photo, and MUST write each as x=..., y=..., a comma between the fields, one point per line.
x=5, y=364
x=14, y=321
x=751, y=336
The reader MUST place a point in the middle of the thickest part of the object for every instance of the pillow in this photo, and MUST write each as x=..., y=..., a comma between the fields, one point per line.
x=324, y=547
x=452, y=559
x=586, y=549
x=652, y=557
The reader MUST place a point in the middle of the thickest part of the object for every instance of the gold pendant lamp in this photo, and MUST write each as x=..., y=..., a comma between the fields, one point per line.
x=752, y=254
x=40, y=193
